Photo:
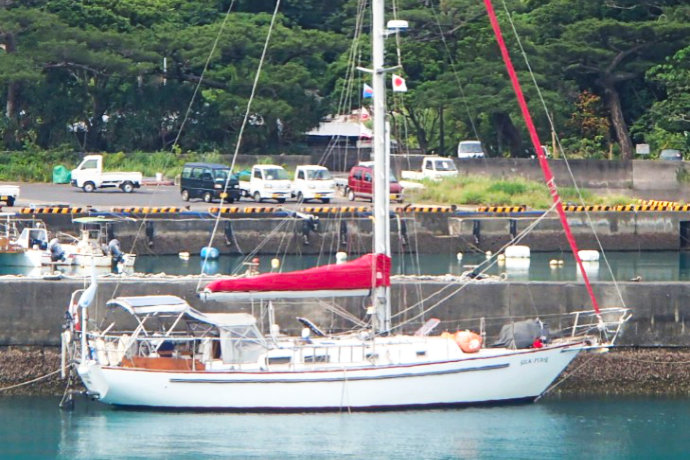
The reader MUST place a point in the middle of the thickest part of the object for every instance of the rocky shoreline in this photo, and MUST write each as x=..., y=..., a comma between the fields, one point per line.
x=620, y=372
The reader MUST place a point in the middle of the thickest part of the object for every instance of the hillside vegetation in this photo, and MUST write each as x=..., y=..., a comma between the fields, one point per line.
x=175, y=75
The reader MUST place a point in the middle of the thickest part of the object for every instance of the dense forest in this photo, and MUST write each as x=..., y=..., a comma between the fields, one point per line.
x=176, y=75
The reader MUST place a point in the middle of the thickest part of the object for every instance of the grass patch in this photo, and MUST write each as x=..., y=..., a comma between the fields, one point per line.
x=475, y=190
x=38, y=166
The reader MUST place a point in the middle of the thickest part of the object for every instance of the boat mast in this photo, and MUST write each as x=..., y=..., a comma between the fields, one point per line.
x=381, y=172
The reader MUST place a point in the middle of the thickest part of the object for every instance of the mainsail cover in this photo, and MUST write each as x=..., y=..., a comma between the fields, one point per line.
x=366, y=272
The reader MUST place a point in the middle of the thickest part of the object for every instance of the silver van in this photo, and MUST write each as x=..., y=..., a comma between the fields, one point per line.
x=470, y=149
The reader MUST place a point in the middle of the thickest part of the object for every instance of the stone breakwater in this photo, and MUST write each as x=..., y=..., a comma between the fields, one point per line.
x=21, y=364
x=621, y=372
x=629, y=372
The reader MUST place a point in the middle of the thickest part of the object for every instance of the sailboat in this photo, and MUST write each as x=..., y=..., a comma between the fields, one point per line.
x=175, y=356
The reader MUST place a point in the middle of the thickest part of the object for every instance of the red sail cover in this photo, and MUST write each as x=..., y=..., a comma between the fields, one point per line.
x=366, y=272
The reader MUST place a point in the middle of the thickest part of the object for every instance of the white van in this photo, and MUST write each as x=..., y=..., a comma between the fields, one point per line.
x=470, y=149
x=268, y=182
x=313, y=182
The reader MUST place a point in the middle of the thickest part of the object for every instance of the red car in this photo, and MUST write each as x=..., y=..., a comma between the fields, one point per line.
x=360, y=184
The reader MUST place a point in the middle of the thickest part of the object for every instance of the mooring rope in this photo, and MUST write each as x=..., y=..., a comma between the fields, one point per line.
x=37, y=379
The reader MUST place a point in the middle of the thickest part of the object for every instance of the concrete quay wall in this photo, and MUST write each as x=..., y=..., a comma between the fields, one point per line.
x=424, y=232
x=32, y=310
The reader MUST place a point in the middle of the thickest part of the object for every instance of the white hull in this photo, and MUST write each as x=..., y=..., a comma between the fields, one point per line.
x=73, y=258
x=485, y=377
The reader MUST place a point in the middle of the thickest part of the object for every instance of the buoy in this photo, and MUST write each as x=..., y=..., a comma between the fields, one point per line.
x=517, y=263
x=184, y=255
x=458, y=256
x=488, y=254
x=468, y=341
x=553, y=263
x=501, y=257
x=588, y=255
x=275, y=263
x=517, y=251
x=340, y=257
x=209, y=252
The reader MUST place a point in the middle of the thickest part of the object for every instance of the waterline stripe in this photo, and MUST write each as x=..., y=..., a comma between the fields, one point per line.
x=340, y=379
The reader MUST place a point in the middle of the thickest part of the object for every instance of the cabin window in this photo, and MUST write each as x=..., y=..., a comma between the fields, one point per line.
x=257, y=174
x=90, y=164
x=358, y=175
x=428, y=165
x=317, y=359
x=300, y=175
x=367, y=177
x=279, y=360
x=196, y=173
x=186, y=172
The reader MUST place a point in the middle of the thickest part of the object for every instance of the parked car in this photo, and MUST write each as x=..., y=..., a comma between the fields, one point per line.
x=267, y=182
x=671, y=154
x=89, y=176
x=470, y=149
x=9, y=194
x=360, y=184
x=208, y=181
x=313, y=182
x=434, y=168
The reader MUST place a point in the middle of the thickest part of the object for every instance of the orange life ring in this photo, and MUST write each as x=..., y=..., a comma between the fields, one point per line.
x=468, y=341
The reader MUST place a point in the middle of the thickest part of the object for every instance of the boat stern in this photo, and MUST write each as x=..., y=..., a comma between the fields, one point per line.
x=93, y=379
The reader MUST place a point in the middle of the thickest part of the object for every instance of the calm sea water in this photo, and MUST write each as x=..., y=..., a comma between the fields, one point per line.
x=650, y=266
x=550, y=429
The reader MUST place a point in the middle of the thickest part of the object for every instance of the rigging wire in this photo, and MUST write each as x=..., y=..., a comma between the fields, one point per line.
x=203, y=72
x=517, y=239
x=560, y=147
x=451, y=61
x=242, y=127
x=145, y=217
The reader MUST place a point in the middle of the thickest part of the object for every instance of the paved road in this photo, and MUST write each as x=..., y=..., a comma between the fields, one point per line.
x=148, y=195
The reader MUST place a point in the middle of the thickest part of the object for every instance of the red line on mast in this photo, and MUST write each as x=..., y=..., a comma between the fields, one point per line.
x=548, y=176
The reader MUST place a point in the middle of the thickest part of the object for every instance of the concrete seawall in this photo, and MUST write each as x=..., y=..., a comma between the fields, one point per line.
x=424, y=232
x=32, y=311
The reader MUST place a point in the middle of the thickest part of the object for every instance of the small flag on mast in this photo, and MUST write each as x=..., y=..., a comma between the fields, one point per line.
x=367, y=92
x=399, y=84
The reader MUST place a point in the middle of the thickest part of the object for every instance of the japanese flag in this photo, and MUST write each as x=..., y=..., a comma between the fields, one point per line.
x=399, y=84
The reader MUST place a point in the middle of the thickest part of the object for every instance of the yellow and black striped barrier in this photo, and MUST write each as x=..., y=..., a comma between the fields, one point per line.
x=578, y=208
x=625, y=207
x=501, y=209
x=667, y=204
x=147, y=210
x=430, y=209
x=334, y=209
x=53, y=210
x=226, y=210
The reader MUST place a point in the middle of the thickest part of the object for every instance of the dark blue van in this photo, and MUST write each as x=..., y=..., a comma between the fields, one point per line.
x=207, y=181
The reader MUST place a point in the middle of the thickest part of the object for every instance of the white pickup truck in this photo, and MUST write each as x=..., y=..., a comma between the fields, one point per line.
x=313, y=182
x=267, y=182
x=9, y=194
x=434, y=168
x=89, y=176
